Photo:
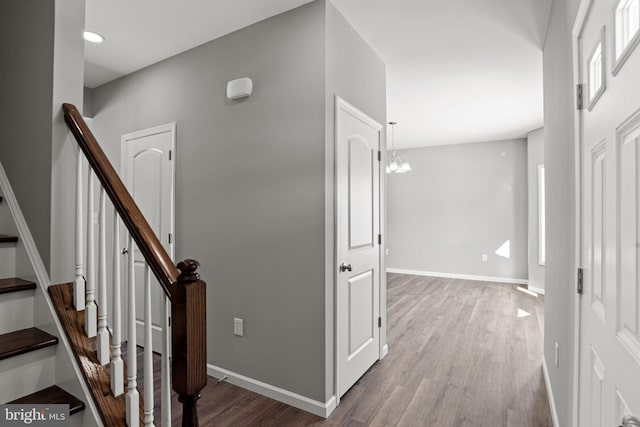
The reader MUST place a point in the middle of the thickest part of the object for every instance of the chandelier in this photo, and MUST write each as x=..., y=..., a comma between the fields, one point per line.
x=396, y=164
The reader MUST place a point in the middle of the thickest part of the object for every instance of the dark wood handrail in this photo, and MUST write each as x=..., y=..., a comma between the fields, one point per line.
x=147, y=241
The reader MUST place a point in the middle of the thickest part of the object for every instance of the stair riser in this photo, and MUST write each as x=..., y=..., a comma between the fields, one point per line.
x=23, y=374
x=7, y=260
x=16, y=311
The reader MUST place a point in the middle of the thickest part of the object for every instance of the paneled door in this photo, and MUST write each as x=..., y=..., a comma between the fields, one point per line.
x=608, y=67
x=358, y=249
x=148, y=174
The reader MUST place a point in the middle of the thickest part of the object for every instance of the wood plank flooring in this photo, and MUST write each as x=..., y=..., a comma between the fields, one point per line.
x=461, y=353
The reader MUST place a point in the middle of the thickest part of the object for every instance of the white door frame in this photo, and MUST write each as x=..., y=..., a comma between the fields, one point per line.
x=383, y=347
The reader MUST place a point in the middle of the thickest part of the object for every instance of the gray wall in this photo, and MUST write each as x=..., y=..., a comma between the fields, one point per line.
x=252, y=179
x=535, y=157
x=559, y=169
x=26, y=38
x=68, y=77
x=358, y=75
x=87, y=97
x=459, y=202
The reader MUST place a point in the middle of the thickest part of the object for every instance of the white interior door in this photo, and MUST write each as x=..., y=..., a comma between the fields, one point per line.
x=148, y=173
x=358, y=249
x=610, y=190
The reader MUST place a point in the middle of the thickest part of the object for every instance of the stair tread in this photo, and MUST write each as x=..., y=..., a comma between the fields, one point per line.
x=24, y=341
x=53, y=395
x=15, y=284
x=4, y=238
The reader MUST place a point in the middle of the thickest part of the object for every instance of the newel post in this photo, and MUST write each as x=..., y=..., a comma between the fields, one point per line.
x=189, y=339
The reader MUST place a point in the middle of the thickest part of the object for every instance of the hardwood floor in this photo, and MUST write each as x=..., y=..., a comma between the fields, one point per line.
x=461, y=353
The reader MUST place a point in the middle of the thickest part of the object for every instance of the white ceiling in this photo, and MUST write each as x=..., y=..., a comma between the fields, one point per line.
x=457, y=70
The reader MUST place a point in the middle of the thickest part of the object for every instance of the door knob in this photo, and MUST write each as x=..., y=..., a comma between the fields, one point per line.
x=345, y=267
x=630, y=421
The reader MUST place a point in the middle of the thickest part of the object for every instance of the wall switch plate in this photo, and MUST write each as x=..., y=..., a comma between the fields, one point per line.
x=484, y=257
x=386, y=251
x=556, y=355
x=238, y=327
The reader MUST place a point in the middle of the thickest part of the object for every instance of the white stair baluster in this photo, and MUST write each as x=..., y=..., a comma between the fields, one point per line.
x=102, y=341
x=90, y=314
x=133, y=398
x=78, y=282
x=165, y=393
x=148, y=349
x=117, y=366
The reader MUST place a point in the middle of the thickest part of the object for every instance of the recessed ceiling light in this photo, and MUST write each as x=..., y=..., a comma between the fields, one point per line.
x=93, y=37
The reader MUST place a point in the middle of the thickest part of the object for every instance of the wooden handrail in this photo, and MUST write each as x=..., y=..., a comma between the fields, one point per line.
x=147, y=241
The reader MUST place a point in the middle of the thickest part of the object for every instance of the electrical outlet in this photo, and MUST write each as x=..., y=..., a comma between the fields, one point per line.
x=386, y=251
x=238, y=327
x=484, y=257
x=557, y=351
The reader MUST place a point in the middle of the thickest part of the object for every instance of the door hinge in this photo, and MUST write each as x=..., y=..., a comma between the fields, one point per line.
x=169, y=321
x=170, y=154
x=170, y=238
x=379, y=155
x=580, y=96
x=379, y=322
x=580, y=281
x=379, y=239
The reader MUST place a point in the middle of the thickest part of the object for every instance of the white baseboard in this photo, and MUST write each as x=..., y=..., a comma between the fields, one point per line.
x=301, y=402
x=536, y=290
x=459, y=276
x=552, y=402
x=385, y=350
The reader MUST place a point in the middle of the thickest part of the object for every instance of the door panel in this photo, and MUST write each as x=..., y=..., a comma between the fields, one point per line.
x=361, y=330
x=358, y=215
x=609, y=253
x=628, y=237
x=361, y=187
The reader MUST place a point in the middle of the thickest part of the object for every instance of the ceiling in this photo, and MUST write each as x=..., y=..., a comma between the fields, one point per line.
x=457, y=70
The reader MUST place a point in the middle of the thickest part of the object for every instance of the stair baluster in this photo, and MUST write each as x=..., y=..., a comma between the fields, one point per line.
x=165, y=390
x=91, y=310
x=102, y=340
x=148, y=349
x=117, y=365
x=133, y=398
x=78, y=282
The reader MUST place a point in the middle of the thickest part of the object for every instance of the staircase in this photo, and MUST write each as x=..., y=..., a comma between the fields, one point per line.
x=27, y=353
x=61, y=341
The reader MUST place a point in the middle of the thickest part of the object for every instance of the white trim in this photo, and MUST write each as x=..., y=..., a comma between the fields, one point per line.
x=459, y=276
x=285, y=396
x=385, y=351
x=581, y=17
x=42, y=277
x=536, y=290
x=552, y=402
